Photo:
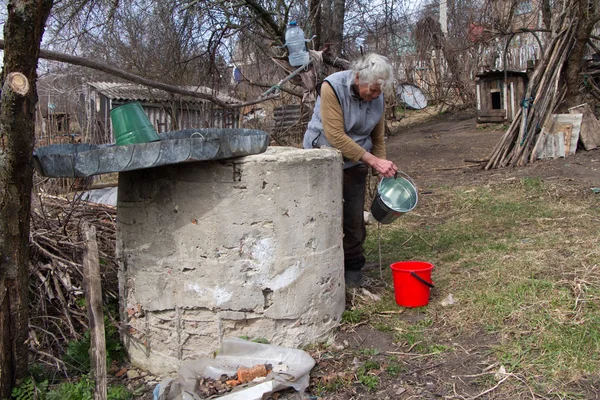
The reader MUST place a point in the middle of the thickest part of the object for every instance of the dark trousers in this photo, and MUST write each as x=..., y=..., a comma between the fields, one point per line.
x=354, y=224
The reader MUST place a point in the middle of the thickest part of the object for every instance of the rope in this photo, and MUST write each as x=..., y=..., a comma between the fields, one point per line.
x=526, y=103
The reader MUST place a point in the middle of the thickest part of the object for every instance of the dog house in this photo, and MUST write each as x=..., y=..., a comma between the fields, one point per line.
x=499, y=95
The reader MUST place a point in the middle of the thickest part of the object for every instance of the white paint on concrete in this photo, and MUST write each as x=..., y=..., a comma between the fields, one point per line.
x=284, y=279
x=262, y=251
x=194, y=287
x=221, y=296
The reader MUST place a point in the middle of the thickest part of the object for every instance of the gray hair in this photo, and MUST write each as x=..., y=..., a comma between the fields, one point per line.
x=373, y=68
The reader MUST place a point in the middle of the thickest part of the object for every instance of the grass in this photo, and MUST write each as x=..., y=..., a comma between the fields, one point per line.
x=394, y=369
x=522, y=259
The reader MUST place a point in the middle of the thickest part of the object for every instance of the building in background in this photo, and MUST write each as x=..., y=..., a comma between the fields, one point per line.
x=499, y=95
x=166, y=111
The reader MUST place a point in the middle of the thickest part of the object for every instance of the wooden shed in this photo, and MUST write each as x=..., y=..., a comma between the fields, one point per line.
x=499, y=95
x=166, y=111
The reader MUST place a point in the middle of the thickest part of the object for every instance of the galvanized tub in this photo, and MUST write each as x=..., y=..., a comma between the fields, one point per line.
x=188, y=145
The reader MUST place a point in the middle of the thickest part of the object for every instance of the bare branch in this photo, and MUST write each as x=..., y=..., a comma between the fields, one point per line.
x=61, y=57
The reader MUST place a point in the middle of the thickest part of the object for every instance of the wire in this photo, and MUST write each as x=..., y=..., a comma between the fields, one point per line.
x=379, y=245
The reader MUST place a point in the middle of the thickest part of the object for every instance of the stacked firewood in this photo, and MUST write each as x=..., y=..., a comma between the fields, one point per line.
x=546, y=90
x=57, y=307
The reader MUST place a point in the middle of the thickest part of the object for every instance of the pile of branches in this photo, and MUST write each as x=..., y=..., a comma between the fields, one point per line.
x=57, y=301
x=545, y=92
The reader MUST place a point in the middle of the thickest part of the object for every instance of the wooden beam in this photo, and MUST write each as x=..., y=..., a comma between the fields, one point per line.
x=93, y=298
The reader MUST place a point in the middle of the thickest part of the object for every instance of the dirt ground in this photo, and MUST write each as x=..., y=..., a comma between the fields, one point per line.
x=441, y=152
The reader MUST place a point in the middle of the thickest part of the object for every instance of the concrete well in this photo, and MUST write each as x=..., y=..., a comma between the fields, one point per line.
x=250, y=246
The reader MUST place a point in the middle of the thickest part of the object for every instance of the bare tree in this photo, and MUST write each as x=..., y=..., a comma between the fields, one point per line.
x=22, y=35
x=588, y=12
x=332, y=32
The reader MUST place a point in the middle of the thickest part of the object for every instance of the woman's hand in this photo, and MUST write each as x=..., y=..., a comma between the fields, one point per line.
x=385, y=167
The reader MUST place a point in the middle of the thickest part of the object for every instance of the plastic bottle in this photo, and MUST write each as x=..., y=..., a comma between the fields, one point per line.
x=294, y=40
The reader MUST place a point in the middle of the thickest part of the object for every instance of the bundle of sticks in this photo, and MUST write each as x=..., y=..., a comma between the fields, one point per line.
x=545, y=92
x=57, y=307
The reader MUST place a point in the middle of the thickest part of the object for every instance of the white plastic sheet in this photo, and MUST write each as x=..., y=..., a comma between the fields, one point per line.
x=291, y=368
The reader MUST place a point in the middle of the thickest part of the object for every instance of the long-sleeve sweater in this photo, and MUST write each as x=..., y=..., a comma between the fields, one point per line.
x=343, y=120
x=333, y=127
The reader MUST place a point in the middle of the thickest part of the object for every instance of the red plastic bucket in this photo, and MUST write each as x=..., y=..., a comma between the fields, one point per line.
x=412, y=282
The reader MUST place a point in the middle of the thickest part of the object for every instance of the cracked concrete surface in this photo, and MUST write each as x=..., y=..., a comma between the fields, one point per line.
x=250, y=246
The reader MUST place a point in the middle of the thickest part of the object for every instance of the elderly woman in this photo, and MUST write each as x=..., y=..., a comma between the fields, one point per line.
x=349, y=116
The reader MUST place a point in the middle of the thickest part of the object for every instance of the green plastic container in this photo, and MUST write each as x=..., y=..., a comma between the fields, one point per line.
x=131, y=125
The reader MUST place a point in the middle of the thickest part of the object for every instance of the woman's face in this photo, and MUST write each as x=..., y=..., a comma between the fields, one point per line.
x=367, y=91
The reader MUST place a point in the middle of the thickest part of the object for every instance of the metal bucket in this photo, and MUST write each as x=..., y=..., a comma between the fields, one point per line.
x=395, y=197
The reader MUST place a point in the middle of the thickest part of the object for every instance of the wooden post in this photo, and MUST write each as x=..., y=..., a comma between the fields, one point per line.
x=512, y=101
x=93, y=298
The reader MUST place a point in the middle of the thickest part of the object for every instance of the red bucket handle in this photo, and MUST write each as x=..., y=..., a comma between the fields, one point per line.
x=423, y=281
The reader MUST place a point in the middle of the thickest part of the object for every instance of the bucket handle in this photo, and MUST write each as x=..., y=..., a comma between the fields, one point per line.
x=423, y=281
x=408, y=178
x=405, y=175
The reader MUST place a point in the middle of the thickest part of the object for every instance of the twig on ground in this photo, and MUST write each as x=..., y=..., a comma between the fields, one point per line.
x=420, y=237
x=490, y=389
x=413, y=355
x=533, y=395
x=423, y=369
x=413, y=346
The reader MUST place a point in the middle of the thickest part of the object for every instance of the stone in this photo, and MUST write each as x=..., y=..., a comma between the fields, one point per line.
x=133, y=374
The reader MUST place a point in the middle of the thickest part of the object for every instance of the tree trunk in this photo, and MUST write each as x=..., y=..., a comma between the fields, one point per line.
x=23, y=32
x=337, y=27
x=332, y=25
x=546, y=8
x=589, y=13
x=316, y=22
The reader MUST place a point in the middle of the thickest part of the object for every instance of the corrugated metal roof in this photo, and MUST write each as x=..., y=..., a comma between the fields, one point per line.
x=130, y=91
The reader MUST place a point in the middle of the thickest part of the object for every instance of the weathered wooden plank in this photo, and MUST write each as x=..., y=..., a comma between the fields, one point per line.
x=288, y=117
x=491, y=113
x=287, y=110
x=485, y=120
x=590, y=126
x=567, y=129
x=93, y=298
x=289, y=107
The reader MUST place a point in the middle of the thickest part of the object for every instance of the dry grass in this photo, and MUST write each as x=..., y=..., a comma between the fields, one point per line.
x=521, y=258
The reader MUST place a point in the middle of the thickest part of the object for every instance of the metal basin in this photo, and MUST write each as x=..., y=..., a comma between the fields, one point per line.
x=188, y=145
